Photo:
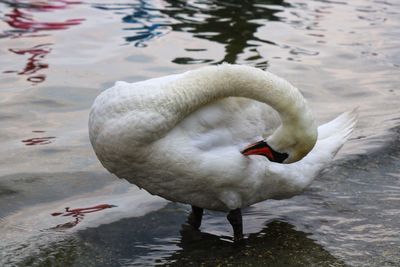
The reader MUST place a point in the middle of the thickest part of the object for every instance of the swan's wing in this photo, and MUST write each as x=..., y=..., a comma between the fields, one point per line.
x=229, y=122
x=112, y=106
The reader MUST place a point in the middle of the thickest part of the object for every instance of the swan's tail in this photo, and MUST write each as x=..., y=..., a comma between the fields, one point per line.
x=333, y=135
x=341, y=127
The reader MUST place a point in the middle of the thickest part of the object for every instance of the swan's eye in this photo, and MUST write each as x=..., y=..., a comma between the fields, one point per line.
x=261, y=148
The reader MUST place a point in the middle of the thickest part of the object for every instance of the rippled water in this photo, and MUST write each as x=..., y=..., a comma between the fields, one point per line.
x=56, y=56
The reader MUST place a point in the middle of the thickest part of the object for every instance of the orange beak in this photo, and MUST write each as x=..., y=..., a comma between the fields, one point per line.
x=261, y=148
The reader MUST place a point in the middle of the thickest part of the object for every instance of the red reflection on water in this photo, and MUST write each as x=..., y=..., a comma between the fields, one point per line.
x=38, y=141
x=78, y=214
x=21, y=17
x=34, y=62
x=22, y=20
x=48, y=5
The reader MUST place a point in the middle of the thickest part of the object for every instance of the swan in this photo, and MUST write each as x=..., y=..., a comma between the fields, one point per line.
x=218, y=137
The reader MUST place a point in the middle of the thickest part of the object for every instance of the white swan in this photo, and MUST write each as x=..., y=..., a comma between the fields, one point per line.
x=186, y=138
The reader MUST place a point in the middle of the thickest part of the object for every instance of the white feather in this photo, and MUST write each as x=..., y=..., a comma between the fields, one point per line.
x=180, y=136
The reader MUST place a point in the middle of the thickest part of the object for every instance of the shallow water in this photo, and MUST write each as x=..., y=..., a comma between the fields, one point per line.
x=55, y=57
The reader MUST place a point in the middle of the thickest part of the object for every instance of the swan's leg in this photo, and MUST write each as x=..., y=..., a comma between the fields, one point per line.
x=235, y=219
x=195, y=217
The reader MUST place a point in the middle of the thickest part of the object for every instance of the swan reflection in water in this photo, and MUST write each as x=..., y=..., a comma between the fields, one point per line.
x=143, y=241
x=269, y=247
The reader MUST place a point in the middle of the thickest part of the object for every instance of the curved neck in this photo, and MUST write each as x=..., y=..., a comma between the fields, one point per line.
x=200, y=87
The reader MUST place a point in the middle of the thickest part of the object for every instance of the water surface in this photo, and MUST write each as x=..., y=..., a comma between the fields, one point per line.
x=56, y=56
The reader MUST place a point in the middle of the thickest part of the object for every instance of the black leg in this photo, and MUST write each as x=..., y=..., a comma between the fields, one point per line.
x=235, y=219
x=195, y=217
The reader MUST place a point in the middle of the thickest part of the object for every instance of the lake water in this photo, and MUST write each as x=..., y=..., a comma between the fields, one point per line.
x=57, y=56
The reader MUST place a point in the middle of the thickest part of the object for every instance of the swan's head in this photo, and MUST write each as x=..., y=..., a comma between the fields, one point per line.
x=286, y=145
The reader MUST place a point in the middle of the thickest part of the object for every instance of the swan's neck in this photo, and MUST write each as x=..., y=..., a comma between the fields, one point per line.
x=297, y=134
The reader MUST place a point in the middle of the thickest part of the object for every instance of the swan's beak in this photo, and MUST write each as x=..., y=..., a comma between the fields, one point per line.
x=263, y=149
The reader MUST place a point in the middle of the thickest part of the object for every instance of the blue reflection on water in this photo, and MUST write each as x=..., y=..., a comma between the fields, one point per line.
x=145, y=21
